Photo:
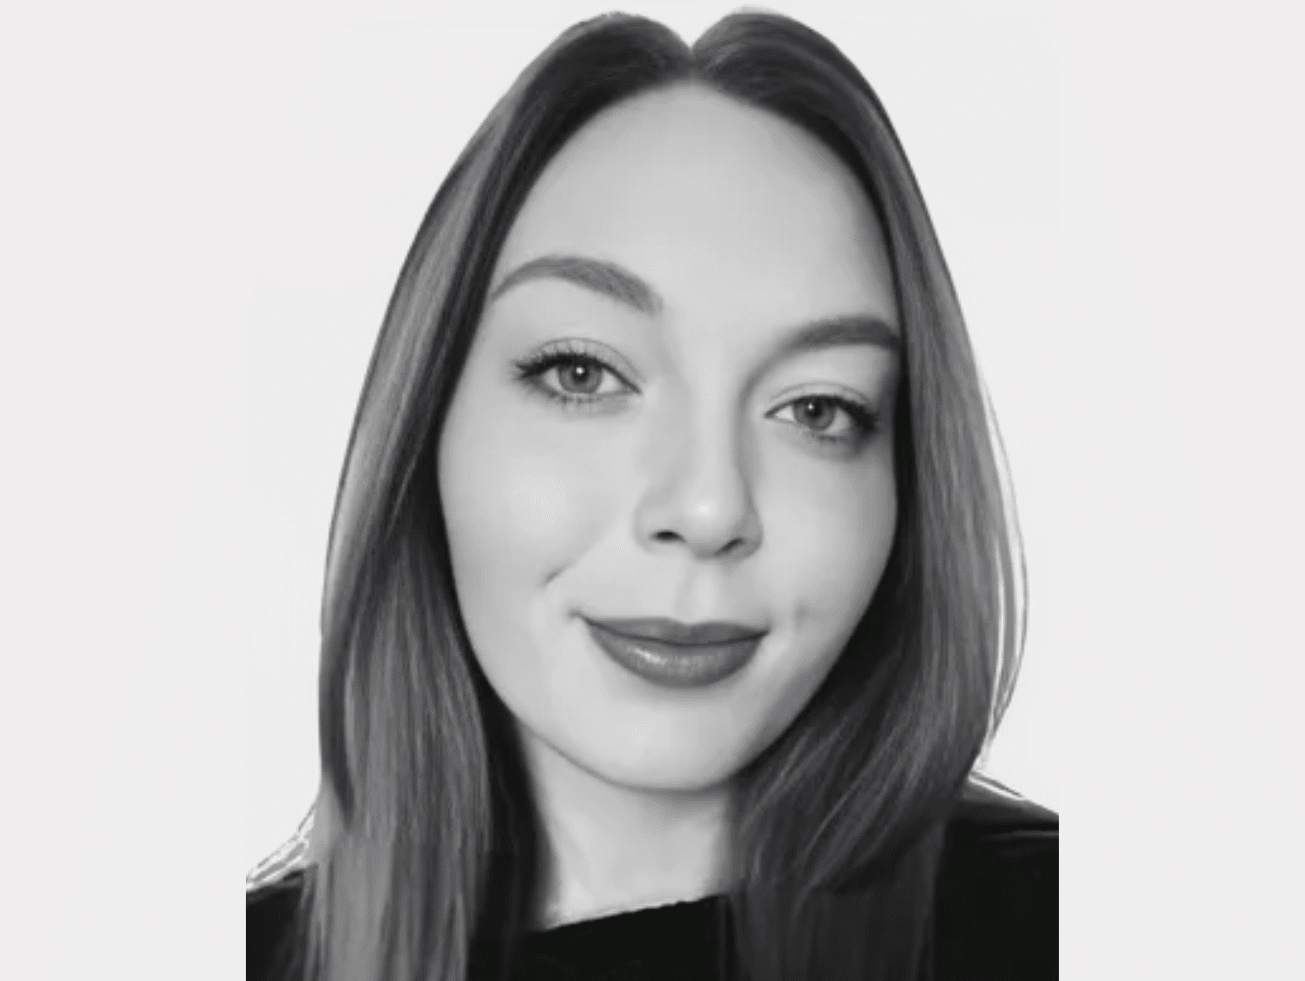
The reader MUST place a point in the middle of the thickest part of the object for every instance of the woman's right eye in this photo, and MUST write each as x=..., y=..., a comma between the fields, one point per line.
x=579, y=376
x=573, y=378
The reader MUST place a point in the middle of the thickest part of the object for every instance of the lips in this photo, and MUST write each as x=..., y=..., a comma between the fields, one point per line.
x=675, y=632
x=676, y=655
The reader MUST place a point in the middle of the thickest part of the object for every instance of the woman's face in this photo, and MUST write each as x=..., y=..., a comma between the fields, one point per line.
x=698, y=429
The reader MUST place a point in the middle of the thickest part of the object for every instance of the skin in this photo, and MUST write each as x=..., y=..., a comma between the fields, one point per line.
x=686, y=484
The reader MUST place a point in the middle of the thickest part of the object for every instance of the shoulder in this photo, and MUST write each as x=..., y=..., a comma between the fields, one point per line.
x=271, y=910
x=998, y=889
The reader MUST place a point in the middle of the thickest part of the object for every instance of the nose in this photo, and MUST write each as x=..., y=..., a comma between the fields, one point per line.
x=698, y=495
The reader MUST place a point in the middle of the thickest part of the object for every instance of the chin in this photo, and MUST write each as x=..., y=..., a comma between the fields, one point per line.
x=668, y=769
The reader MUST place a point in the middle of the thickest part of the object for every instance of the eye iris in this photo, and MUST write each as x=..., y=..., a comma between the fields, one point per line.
x=577, y=376
x=816, y=413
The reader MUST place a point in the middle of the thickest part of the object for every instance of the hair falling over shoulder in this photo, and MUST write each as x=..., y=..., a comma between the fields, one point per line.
x=427, y=836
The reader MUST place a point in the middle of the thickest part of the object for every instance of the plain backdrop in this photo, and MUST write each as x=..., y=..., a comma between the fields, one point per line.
x=203, y=214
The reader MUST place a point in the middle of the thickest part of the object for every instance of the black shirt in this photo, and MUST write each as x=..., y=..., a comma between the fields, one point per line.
x=996, y=914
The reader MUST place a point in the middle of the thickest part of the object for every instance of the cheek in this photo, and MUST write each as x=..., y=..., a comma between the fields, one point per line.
x=832, y=548
x=517, y=510
x=829, y=550
x=506, y=513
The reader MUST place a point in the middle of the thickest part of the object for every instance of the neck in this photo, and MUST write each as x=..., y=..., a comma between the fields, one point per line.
x=613, y=848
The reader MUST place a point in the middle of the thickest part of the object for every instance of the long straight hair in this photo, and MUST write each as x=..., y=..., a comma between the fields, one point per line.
x=428, y=840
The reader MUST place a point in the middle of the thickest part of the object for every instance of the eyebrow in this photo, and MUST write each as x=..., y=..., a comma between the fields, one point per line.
x=606, y=278
x=856, y=328
x=625, y=287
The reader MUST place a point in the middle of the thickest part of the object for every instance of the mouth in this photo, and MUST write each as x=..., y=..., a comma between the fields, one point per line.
x=671, y=654
x=667, y=631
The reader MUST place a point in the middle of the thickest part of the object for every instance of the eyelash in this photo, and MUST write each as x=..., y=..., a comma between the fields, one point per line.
x=532, y=369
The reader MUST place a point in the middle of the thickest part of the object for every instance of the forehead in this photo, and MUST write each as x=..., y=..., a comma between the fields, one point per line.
x=715, y=203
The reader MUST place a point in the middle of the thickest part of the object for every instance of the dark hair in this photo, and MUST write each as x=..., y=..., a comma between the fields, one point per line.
x=427, y=834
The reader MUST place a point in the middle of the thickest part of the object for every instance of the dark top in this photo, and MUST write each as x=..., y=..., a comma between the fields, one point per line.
x=996, y=914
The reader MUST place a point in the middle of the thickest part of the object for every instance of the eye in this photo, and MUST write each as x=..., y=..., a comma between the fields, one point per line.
x=830, y=418
x=572, y=376
x=578, y=374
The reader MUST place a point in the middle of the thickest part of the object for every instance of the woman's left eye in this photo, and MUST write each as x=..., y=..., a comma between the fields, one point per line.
x=830, y=419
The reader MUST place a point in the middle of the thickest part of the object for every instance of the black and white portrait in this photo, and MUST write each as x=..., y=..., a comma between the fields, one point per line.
x=545, y=491
x=674, y=588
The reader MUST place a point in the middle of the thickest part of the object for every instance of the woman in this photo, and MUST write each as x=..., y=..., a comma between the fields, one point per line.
x=672, y=591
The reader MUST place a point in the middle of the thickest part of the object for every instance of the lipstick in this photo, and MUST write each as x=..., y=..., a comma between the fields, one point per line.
x=676, y=655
